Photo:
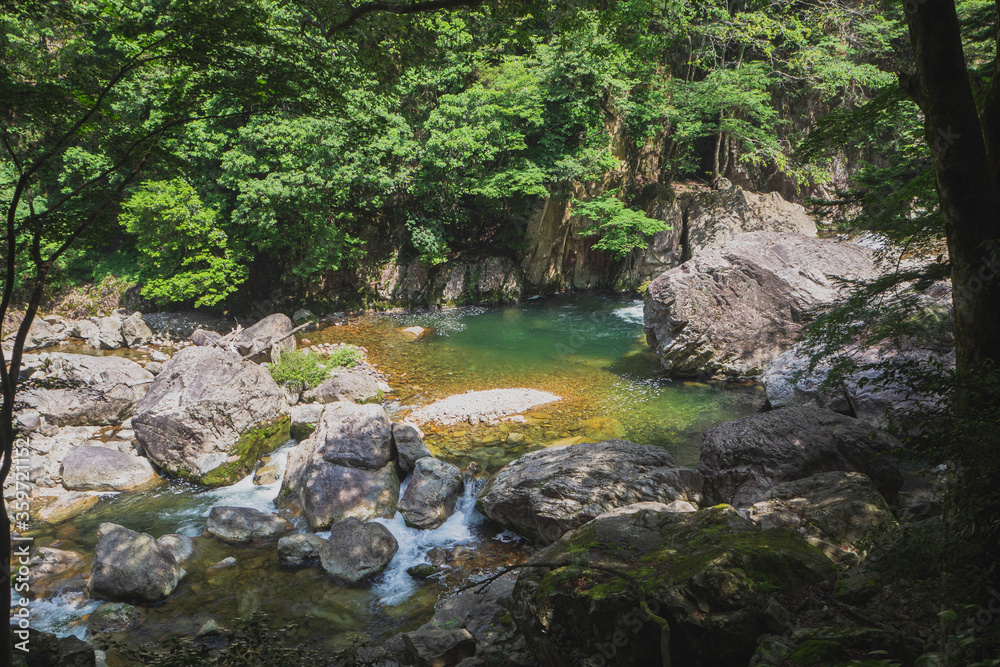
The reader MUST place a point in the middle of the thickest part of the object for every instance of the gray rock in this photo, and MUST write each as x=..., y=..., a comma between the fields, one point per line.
x=229, y=561
x=161, y=357
x=343, y=469
x=50, y=568
x=543, y=494
x=134, y=331
x=716, y=216
x=302, y=315
x=341, y=386
x=832, y=510
x=84, y=329
x=431, y=494
x=154, y=367
x=299, y=549
x=485, y=614
x=706, y=573
x=94, y=390
x=131, y=566
x=103, y=469
x=356, y=550
x=244, y=524
x=409, y=445
x=305, y=417
x=205, y=338
x=735, y=307
x=41, y=334
x=181, y=546
x=259, y=337
x=210, y=415
x=108, y=335
x=439, y=648
x=744, y=458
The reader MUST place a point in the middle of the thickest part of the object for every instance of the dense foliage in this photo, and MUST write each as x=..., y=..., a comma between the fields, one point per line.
x=423, y=136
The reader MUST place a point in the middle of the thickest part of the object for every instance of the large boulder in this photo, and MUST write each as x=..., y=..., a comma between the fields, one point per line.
x=344, y=469
x=245, y=524
x=81, y=389
x=430, y=496
x=357, y=550
x=209, y=415
x=709, y=574
x=259, y=338
x=409, y=445
x=344, y=386
x=132, y=567
x=103, y=469
x=742, y=459
x=832, y=510
x=733, y=308
x=716, y=216
x=543, y=494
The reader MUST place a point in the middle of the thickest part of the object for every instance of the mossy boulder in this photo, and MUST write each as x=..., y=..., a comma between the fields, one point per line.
x=209, y=415
x=708, y=574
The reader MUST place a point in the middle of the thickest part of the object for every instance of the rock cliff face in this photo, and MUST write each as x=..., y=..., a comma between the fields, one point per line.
x=555, y=256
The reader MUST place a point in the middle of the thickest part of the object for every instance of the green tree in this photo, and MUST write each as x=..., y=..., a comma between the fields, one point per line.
x=621, y=229
x=188, y=255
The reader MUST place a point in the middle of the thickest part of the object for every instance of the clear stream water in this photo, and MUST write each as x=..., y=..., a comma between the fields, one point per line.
x=588, y=349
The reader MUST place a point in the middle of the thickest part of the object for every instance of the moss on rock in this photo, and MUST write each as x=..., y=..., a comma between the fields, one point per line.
x=250, y=446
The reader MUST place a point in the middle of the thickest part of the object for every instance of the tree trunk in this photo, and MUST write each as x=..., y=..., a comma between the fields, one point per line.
x=966, y=173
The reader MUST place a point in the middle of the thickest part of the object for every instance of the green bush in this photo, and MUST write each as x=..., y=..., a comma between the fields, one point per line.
x=346, y=357
x=300, y=370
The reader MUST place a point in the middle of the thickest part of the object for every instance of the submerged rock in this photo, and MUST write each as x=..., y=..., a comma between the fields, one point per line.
x=707, y=574
x=210, y=415
x=344, y=469
x=356, y=550
x=131, y=566
x=543, y=494
x=114, y=617
x=742, y=459
x=299, y=549
x=733, y=308
x=245, y=524
x=431, y=494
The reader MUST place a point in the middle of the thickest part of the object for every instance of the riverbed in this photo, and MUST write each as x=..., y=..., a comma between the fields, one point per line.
x=587, y=349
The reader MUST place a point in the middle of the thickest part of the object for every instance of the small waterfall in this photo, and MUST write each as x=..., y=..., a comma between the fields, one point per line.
x=631, y=314
x=395, y=585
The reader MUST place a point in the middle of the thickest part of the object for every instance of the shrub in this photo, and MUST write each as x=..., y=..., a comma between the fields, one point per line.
x=300, y=370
